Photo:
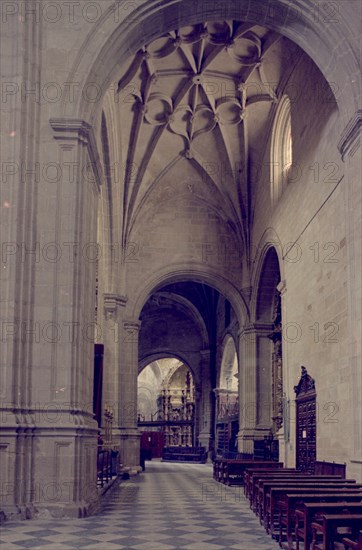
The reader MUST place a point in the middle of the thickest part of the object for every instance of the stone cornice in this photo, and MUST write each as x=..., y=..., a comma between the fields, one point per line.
x=111, y=300
x=68, y=130
x=218, y=391
x=350, y=140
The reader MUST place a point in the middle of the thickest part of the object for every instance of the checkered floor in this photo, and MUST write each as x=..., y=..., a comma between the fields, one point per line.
x=168, y=506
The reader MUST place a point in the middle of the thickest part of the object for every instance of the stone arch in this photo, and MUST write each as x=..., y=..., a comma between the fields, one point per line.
x=105, y=205
x=110, y=193
x=194, y=314
x=269, y=241
x=268, y=281
x=145, y=361
x=195, y=273
x=119, y=34
x=268, y=318
x=174, y=373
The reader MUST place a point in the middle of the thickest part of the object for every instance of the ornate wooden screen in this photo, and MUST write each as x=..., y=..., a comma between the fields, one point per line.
x=306, y=428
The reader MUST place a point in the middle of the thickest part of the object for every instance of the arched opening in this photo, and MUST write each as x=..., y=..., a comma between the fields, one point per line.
x=166, y=406
x=227, y=401
x=269, y=353
x=182, y=320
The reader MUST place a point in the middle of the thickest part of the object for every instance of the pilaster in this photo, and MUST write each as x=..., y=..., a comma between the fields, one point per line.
x=113, y=312
x=350, y=150
x=127, y=395
x=254, y=407
x=53, y=441
x=206, y=426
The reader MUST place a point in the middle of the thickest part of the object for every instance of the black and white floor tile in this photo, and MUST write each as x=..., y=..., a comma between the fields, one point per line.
x=168, y=506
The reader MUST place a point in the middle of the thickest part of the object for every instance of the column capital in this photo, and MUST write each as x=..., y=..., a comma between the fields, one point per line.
x=67, y=131
x=111, y=301
x=131, y=325
x=255, y=328
x=350, y=139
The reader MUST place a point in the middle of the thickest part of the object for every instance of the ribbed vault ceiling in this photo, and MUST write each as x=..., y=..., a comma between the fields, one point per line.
x=204, y=95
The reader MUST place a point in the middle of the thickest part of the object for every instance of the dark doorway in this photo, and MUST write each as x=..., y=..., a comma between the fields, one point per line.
x=152, y=443
x=306, y=434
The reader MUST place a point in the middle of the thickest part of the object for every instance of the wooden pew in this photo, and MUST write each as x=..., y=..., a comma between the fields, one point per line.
x=304, y=516
x=328, y=526
x=289, y=477
x=233, y=470
x=256, y=476
x=276, y=495
x=325, y=467
x=250, y=472
x=263, y=486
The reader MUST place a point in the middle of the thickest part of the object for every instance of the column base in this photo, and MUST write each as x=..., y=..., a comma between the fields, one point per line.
x=282, y=446
x=206, y=440
x=130, y=450
x=247, y=436
x=81, y=509
x=246, y=441
x=55, y=474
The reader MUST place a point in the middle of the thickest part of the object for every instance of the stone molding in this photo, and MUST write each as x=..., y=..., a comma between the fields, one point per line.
x=68, y=130
x=113, y=301
x=257, y=328
x=132, y=325
x=350, y=140
x=282, y=287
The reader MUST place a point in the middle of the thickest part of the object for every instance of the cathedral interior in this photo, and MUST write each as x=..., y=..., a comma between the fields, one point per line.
x=181, y=248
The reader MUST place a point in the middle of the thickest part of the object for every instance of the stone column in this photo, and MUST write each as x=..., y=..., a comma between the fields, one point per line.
x=254, y=395
x=247, y=389
x=114, y=307
x=127, y=395
x=50, y=430
x=65, y=299
x=206, y=436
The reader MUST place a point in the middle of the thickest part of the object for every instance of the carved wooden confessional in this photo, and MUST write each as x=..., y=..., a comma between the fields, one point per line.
x=306, y=428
